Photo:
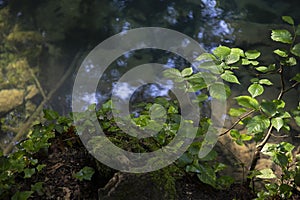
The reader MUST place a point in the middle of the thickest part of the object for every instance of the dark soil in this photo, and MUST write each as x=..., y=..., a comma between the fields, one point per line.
x=67, y=155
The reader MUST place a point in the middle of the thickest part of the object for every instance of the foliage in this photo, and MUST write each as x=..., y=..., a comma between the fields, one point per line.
x=23, y=163
x=85, y=173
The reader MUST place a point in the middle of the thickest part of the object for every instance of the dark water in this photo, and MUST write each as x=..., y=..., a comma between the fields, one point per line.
x=76, y=27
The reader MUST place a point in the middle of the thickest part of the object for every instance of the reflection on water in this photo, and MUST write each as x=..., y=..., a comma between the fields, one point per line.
x=70, y=26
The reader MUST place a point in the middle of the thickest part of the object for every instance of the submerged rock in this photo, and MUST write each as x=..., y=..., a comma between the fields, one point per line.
x=10, y=99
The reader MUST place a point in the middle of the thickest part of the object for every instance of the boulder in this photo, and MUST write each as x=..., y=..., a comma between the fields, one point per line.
x=10, y=99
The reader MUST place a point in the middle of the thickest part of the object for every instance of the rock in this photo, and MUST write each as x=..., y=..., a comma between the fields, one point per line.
x=31, y=91
x=10, y=99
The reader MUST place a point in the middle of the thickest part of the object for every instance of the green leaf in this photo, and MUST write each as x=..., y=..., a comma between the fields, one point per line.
x=206, y=57
x=28, y=172
x=222, y=52
x=298, y=30
x=232, y=58
x=235, y=112
x=246, y=137
x=297, y=120
x=296, y=50
x=40, y=167
x=249, y=62
x=296, y=78
x=265, y=82
x=38, y=187
x=237, y=51
x=212, y=155
x=288, y=20
x=255, y=89
x=281, y=159
x=235, y=134
x=291, y=61
x=281, y=53
x=229, y=77
x=187, y=72
x=218, y=91
x=269, y=108
x=282, y=35
x=157, y=111
x=173, y=74
x=277, y=123
x=24, y=195
x=50, y=114
x=258, y=124
x=252, y=54
x=212, y=67
x=85, y=173
x=266, y=174
x=247, y=102
x=185, y=159
x=207, y=175
x=263, y=69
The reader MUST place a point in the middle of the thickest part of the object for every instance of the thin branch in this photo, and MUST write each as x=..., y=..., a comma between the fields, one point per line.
x=236, y=122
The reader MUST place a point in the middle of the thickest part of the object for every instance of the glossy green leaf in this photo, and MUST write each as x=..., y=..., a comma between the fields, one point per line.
x=249, y=62
x=218, y=91
x=296, y=78
x=255, y=89
x=288, y=20
x=277, y=123
x=232, y=58
x=247, y=102
x=282, y=35
x=296, y=50
x=187, y=72
x=236, y=112
x=222, y=52
x=211, y=67
x=265, y=82
x=291, y=61
x=262, y=69
x=266, y=174
x=229, y=77
x=258, y=124
x=269, y=108
x=235, y=134
x=206, y=57
x=281, y=53
x=245, y=137
x=252, y=54
x=173, y=74
x=238, y=51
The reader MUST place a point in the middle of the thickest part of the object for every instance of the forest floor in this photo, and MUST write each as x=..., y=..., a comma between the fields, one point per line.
x=67, y=155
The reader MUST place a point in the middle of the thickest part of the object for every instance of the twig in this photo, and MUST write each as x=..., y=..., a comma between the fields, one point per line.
x=27, y=125
x=236, y=123
x=37, y=82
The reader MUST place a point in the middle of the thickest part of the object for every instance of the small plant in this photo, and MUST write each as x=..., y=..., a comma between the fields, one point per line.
x=85, y=173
